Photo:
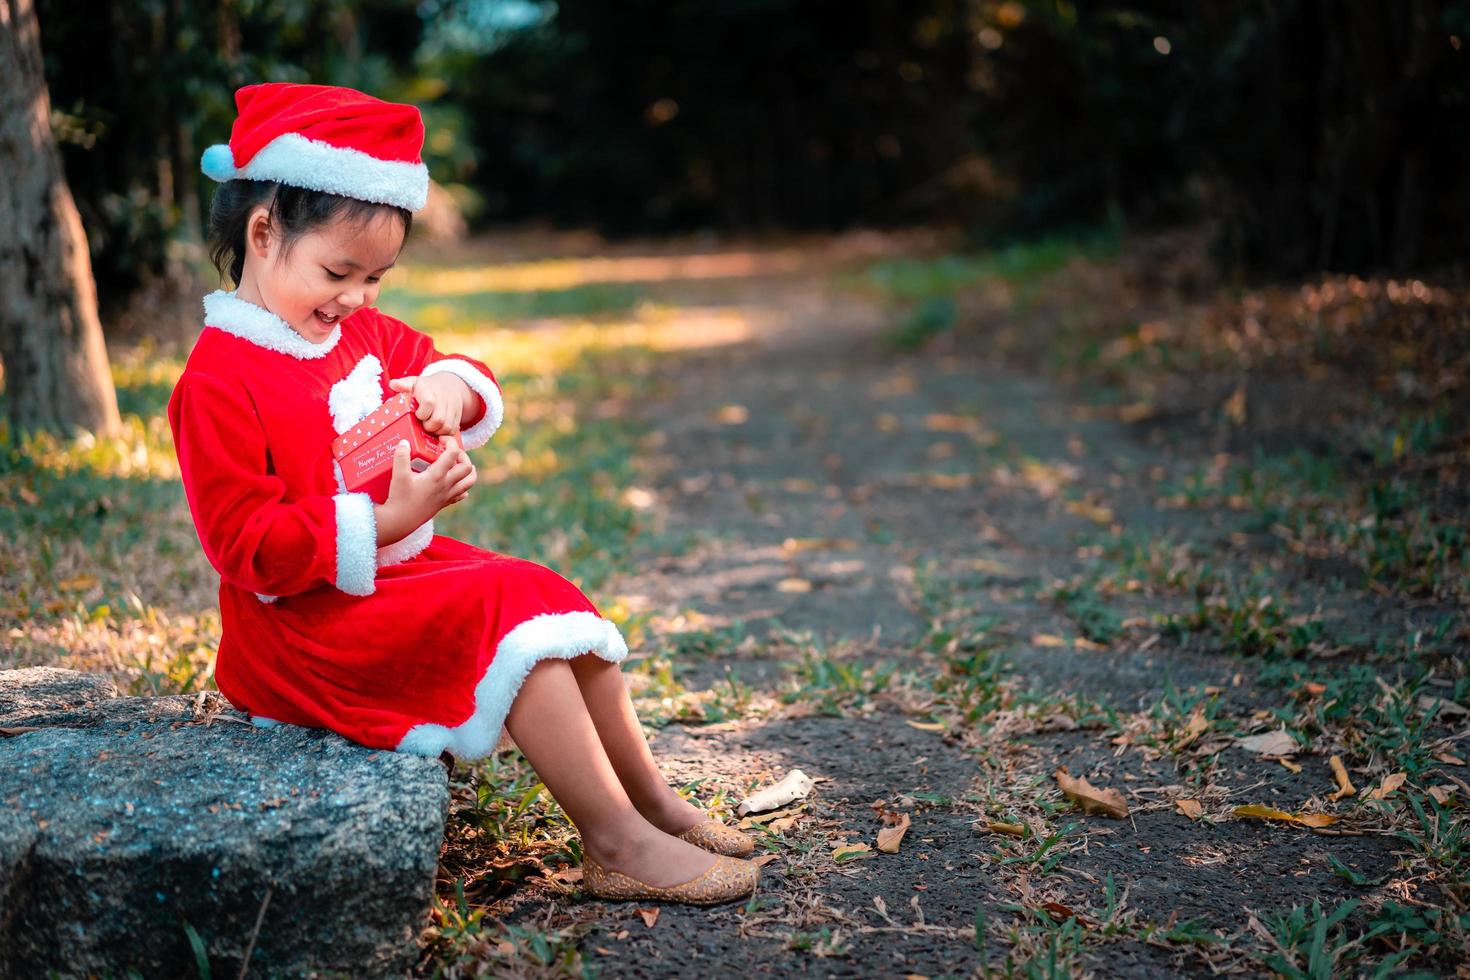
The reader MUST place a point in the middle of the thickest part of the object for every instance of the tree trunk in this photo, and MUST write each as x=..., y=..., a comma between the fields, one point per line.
x=56, y=374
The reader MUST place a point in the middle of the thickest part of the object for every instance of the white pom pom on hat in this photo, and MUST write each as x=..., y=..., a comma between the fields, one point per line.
x=218, y=163
x=325, y=138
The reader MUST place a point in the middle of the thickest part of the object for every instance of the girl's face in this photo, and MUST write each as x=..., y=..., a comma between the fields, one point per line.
x=328, y=274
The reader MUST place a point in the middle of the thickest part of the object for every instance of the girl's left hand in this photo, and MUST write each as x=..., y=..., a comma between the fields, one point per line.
x=441, y=399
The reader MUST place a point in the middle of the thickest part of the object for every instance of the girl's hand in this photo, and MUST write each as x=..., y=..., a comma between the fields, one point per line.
x=414, y=498
x=442, y=399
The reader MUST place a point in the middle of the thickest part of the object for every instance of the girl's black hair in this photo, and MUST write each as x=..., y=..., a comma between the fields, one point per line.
x=294, y=211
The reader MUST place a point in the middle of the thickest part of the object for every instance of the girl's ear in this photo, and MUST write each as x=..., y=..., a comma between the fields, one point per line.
x=258, y=232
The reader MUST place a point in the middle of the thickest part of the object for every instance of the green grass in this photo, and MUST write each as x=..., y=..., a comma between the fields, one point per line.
x=1383, y=520
x=1020, y=263
x=925, y=294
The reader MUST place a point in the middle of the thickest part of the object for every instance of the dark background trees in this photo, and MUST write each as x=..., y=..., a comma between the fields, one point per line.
x=51, y=342
x=1310, y=135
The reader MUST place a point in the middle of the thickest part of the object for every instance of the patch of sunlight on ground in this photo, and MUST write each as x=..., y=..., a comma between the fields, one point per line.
x=566, y=273
x=555, y=344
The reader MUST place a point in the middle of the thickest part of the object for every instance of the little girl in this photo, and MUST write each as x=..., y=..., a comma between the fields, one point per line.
x=345, y=614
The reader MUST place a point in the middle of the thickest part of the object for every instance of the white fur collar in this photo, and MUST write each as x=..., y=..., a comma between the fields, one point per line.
x=358, y=395
x=262, y=327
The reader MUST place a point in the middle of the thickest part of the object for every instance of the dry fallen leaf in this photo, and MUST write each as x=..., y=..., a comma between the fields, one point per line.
x=1289, y=765
x=763, y=860
x=1429, y=703
x=927, y=726
x=1442, y=794
x=1449, y=759
x=1257, y=812
x=1234, y=407
x=1189, y=808
x=1061, y=913
x=891, y=836
x=567, y=876
x=1345, y=785
x=796, y=545
x=939, y=422
x=1093, y=512
x=844, y=850
x=1057, y=722
x=1012, y=829
x=784, y=824
x=1196, y=725
x=1047, y=640
x=765, y=819
x=793, y=585
x=1108, y=802
x=650, y=916
x=1390, y=783
x=1278, y=742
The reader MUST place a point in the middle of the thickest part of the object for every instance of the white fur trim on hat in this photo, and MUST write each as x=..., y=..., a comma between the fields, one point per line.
x=261, y=327
x=478, y=434
x=293, y=159
x=357, y=544
x=552, y=636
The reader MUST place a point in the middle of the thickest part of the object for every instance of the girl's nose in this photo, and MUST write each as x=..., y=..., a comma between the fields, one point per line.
x=351, y=298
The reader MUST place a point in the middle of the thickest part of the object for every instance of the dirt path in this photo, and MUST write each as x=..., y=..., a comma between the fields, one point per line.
x=821, y=500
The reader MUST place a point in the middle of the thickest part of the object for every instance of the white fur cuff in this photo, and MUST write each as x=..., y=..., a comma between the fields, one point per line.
x=357, y=544
x=402, y=550
x=478, y=434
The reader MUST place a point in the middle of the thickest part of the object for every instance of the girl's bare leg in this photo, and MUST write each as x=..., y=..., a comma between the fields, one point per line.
x=551, y=724
x=606, y=697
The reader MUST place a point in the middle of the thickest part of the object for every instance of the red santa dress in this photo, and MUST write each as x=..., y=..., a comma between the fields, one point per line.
x=419, y=646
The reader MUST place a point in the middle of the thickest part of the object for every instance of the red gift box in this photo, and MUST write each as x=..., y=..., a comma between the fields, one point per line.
x=365, y=451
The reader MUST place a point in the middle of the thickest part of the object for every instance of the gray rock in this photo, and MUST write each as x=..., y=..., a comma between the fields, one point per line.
x=51, y=695
x=151, y=815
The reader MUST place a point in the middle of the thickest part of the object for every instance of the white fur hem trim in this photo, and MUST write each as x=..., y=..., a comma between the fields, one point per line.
x=552, y=636
x=405, y=548
x=267, y=599
x=357, y=544
x=478, y=434
x=293, y=159
x=226, y=311
x=358, y=395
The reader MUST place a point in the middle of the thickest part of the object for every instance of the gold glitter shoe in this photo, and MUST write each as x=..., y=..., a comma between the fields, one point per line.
x=729, y=879
x=717, y=838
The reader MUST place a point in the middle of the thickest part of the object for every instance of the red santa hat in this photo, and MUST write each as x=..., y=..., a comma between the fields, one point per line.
x=325, y=138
